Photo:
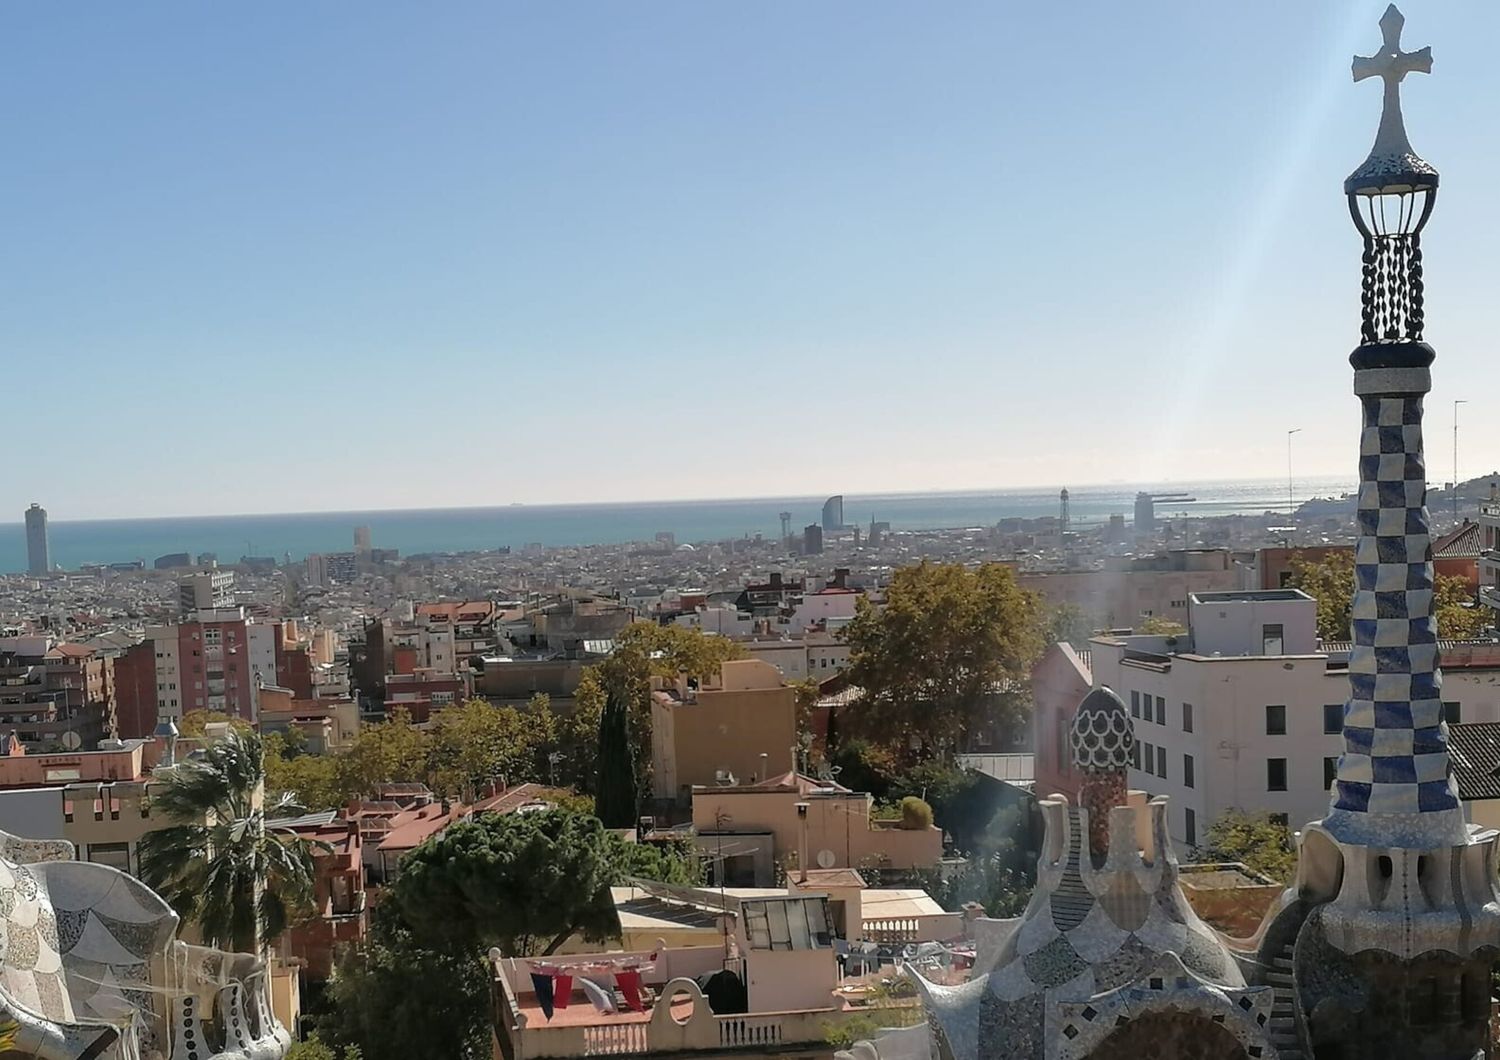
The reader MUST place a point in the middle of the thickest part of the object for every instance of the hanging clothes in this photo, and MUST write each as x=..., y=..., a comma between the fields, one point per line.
x=562, y=989
x=629, y=983
x=542, y=984
x=601, y=995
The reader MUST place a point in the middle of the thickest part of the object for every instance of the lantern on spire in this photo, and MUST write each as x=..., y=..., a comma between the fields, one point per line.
x=1391, y=196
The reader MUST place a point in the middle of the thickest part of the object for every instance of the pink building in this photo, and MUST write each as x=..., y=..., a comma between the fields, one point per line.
x=1059, y=681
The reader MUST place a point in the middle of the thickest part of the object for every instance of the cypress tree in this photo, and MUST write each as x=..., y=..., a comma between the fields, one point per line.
x=615, y=797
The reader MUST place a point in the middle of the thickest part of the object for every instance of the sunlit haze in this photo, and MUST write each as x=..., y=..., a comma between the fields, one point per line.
x=268, y=258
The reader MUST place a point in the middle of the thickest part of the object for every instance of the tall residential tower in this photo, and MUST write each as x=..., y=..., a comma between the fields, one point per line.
x=38, y=551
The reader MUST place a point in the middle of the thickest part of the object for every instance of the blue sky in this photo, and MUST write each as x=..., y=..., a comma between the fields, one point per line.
x=286, y=257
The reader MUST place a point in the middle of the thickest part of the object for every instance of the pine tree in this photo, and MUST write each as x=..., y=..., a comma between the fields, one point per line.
x=615, y=798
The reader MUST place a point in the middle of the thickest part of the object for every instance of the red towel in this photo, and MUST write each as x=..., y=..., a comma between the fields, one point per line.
x=630, y=987
x=562, y=989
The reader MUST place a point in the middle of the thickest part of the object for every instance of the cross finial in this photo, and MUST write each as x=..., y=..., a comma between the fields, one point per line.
x=1392, y=63
x=1392, y=150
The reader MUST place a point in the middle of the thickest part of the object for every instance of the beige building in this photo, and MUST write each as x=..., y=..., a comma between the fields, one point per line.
x=747, y=829
x=1131, y=589
x=330, y=725
x=738, y=725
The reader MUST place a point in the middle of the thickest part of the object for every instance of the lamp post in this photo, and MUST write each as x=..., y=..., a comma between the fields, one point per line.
x=1291, y=504
x=1456, y=402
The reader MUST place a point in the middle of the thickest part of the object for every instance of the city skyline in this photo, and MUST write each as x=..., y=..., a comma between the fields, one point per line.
x=568, y=226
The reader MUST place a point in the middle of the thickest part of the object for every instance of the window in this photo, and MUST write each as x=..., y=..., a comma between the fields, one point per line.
x=1333, y=717
x=1161, y=762
x=1064, y=748
x=1187, y=717
x=1187, y=771
x=1452, y=712
x=788, y=924
x=1330, y=772
x=1189, y=826
x=1135, y=704
x=115, y=855
x=1276, y=721
x=1148, y=753
x=1135, y=755
x=1271, y=639
x=1275, y=774
x=1161, y=710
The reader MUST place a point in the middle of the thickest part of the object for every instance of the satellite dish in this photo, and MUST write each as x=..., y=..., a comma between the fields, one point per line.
x=826, y=858
x=71, y=740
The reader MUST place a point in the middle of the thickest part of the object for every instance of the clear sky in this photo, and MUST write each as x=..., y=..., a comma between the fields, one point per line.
x=281, y=257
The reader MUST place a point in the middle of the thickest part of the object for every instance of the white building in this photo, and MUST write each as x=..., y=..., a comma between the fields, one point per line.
x=205, y=590
x=1489, y=554
x=1246, y=709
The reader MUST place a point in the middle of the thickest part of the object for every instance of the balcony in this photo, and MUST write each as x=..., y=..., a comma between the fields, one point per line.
x=677, y=1020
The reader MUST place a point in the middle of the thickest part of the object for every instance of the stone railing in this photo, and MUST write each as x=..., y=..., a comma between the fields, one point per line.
x=680, y=1021
x=937, y=927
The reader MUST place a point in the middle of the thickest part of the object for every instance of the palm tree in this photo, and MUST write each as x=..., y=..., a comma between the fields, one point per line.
x=219, y=866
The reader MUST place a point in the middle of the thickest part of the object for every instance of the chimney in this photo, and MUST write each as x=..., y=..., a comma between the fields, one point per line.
x=801, y=842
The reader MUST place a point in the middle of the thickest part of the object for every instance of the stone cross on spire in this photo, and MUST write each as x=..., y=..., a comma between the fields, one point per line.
x=1392, y=152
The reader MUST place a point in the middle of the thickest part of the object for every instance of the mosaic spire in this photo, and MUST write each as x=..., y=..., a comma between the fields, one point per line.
x=1393, y=786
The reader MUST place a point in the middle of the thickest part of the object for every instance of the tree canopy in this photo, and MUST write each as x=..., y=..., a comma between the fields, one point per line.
x=523, y=882
x=949, y=652
x=616, y=800
x=1255, y=840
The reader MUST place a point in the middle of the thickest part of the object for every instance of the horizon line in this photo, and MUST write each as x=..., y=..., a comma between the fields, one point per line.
x=813, y=497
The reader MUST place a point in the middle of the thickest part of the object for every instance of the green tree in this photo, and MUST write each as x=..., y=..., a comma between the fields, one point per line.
x=616, y=799
x=315, y=782
x=676, y=862
x=392, y=751
x=935, y=662
x=314, y=1049
x=545, y=736
x=1457, y=617
x=578, y=733
x=1253, y=839
x=1329, y=581
x=522, y=882
x=476, y=742
x=240, y=883
x=395, y=998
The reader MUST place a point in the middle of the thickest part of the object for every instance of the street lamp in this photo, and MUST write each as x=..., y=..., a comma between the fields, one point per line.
x=1456, y=402
x=1291, y=504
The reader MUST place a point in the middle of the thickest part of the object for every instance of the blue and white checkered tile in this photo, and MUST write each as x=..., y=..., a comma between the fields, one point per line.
x=1395, y=743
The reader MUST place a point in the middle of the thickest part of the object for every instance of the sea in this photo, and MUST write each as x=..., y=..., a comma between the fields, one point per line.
x=75, y=543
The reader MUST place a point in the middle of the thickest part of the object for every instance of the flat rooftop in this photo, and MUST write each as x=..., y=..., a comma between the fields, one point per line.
x=1250, y=596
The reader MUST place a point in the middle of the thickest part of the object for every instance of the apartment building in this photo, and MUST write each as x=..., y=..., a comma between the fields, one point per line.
x=1489, y=553
x=1245, y=710
x=740, y=723
x=55, y=695
x=215, y=661
x=1130, y=589
x=205, y=590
